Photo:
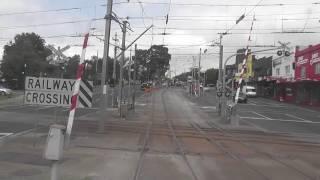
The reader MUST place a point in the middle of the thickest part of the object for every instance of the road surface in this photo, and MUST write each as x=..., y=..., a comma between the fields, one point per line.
x=169, y=136
x=270, y=115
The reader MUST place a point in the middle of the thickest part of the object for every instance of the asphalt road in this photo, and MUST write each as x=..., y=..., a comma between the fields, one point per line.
x=270, y=115
x=166, y=137
x=170, y=135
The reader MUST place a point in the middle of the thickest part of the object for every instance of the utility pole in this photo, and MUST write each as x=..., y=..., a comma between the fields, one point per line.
x=219, y=84
x=134, y=76
x=129, y=78
x=115, y=57
x=114, y=77
x=104, y=101
x=193, y=75
x=199, y=74
x=124, y=30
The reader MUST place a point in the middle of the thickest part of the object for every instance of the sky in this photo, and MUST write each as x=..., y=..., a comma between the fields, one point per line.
x=191, y=25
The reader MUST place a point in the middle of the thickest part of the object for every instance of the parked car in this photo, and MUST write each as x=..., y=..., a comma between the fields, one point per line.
x=249, y=91
x=5, y=91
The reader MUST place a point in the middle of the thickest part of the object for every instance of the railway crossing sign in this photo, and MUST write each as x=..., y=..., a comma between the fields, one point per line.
x=57, y=56
x=56, y=92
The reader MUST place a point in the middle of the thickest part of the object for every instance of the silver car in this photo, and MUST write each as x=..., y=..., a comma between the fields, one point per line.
x=5, y=91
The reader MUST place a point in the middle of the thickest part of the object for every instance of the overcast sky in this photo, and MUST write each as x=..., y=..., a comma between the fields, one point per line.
x=190, y=27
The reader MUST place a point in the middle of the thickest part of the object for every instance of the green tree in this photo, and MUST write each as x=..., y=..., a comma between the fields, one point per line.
x=71, y=67
x=153, y=63
x=25, y=55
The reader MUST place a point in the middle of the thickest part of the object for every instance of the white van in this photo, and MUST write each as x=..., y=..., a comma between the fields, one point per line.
x=249, y=91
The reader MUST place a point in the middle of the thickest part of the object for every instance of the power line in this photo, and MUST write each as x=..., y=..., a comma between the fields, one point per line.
x=49, y=24
x=218, y=5
x=40, y=11
x=231, y=16
x=226, y=20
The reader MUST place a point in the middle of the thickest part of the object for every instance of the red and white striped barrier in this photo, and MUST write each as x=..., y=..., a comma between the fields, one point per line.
x=244, y=63
x=74, y=99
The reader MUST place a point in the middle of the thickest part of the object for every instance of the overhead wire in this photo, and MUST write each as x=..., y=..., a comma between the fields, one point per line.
x=219, y=5
x=39, y=11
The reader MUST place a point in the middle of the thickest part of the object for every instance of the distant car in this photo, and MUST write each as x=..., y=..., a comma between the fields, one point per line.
x=145, y=86
x=242, y=98
x=249, y=91
x=5, y=91
x=209, y=87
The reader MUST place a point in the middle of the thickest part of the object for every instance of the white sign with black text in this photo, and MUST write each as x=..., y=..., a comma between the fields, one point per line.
x=56, y=92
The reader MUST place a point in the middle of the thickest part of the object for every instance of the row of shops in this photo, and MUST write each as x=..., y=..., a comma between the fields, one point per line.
x=304, y=92
x=302, y=87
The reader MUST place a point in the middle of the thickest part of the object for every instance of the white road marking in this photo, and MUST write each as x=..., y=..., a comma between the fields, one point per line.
x=3, y=135
x=208, y=107
x=293, y=116
x=253, y=104
x=13, y=135
x=264, y=103
x=260, y=115
x=250, y=103
x=254, y=125
x=67, y=109
x=282, y=120
x=45, y=107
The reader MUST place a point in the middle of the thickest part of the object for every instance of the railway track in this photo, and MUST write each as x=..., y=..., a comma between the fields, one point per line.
x=146, y=140
x=177, y=142
x=182, y=131
x=162, y=121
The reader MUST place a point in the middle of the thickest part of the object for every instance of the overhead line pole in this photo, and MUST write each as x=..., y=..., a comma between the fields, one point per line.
x=104, y=101
x=123, y=49
x=219, y=84
x=199, y=74
x=114, y=77
x=134, y=76
x=126, y=48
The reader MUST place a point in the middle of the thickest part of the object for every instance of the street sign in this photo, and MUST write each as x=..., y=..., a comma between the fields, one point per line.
x=56, y=92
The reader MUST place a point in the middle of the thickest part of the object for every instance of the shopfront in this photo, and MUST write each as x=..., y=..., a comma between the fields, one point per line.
x=307, y=75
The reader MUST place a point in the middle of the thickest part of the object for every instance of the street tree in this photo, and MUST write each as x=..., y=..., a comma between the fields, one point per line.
x=25, y=56
x=153, y=63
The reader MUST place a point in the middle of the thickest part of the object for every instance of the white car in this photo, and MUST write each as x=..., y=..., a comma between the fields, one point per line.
x=5, y=91
x=249, y=91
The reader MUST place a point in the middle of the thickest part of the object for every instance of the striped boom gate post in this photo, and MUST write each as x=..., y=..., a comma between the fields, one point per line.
x=85, y=94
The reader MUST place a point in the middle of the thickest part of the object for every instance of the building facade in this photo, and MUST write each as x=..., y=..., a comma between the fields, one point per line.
x=307, y=75
x=262, y=68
